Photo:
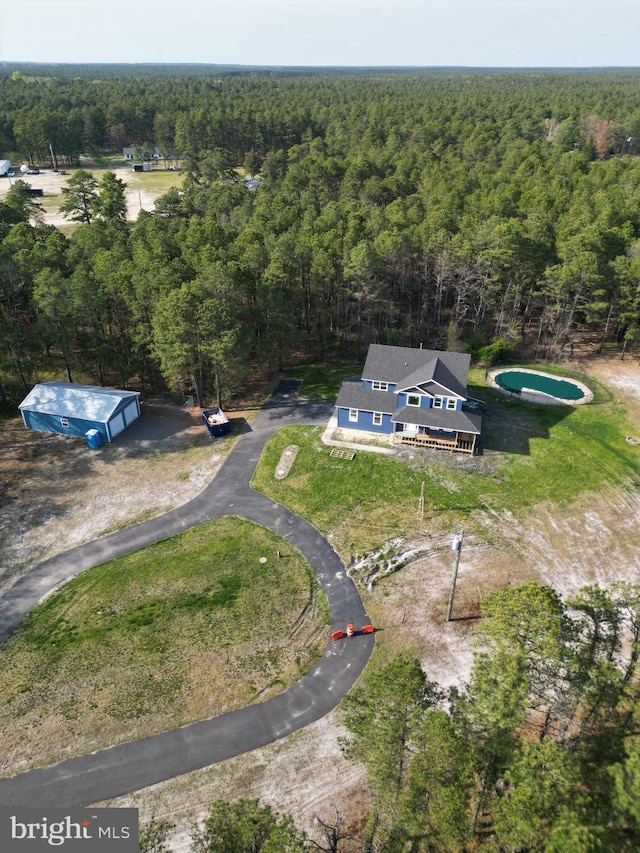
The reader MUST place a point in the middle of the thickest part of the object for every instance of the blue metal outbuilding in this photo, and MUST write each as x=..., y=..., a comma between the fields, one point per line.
x=68, y=408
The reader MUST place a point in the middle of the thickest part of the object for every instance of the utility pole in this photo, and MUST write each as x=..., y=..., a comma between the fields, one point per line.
x=456, y=546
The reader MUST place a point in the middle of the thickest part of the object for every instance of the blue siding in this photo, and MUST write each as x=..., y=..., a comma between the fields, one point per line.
x=52, y=423
x=368, y=383
x=425, y=402
x=365, y=422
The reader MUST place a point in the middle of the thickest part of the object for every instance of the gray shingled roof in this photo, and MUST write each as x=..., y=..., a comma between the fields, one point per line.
x=440, y=419
x=402, y=365
x=353, y=396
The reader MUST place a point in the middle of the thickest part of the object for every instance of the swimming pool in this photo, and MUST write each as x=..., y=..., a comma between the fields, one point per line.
x=534, y=386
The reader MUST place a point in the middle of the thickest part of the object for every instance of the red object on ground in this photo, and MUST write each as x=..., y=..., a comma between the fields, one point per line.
x=349, y=630
x=367, y=629
x=337, y=635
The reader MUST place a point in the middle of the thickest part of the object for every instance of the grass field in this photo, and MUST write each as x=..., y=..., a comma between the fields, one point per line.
x=182, y=630
x=529, y=454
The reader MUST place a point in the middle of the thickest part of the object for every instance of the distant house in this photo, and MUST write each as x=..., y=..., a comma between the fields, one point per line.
x=252, y=183
x=68, y=408
x=129, y=154
x=413, y=396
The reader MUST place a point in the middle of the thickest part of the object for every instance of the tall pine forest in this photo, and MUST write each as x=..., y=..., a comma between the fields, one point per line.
x=494, y=212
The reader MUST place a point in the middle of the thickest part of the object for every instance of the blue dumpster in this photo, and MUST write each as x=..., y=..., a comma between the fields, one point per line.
x=216, y=422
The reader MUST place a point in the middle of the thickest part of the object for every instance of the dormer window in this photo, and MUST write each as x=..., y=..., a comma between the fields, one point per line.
x=413, y=399
x=379, y=386
x=451, y=403
x=438, y=402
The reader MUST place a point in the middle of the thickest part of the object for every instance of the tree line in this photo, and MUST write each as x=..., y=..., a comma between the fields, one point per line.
x=465, y=211
x=538, y=752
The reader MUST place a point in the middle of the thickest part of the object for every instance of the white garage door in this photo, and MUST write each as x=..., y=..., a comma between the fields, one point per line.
x=117, y=425
x=130, y=412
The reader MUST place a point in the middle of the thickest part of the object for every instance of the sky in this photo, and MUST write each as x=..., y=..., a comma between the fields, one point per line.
x=474, y=33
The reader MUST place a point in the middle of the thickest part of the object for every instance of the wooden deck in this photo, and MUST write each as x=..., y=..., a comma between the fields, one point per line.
x=454, y=445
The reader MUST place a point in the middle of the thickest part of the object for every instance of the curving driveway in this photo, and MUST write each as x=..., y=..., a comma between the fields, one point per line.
x=130, y=766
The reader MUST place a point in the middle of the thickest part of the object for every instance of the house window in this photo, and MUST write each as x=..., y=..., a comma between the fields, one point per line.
x=353, y=415
x=377, y=418
x=64, y=422
x=451, y=403
x=413, y=399
x=438, y=402
x=379, y=386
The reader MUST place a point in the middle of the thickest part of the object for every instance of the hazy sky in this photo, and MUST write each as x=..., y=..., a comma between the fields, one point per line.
x=565, y=33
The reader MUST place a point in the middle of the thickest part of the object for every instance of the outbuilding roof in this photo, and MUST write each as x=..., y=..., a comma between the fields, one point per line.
x=71, y=400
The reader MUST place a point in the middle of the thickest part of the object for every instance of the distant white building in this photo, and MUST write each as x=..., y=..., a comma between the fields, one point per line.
x=5, y=166
x=130, y=153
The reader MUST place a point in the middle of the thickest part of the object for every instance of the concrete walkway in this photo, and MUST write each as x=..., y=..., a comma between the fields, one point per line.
x=128, y=767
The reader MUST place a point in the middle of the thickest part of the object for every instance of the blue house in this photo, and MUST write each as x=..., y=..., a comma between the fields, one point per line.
x=414, y=396
x=71, y=409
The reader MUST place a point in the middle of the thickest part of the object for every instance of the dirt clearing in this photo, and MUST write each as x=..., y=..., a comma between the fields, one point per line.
x=55, y=493
x=137, y=196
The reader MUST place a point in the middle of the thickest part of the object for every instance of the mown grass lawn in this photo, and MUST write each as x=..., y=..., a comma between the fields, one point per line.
x=182, y=630
x=529, y=454
x=321, y=381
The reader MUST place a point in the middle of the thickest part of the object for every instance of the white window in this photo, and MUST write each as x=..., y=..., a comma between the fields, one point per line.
x=413, y=399
x=377, y=418
x=379, y=386
x=64, y=422
x=353, y=415
x=438, y=402
x=451, y=403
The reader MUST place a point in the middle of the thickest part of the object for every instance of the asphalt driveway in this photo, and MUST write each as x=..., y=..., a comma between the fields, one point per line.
x=128, y=767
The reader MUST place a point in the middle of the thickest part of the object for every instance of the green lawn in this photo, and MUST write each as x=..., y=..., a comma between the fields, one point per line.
x=182, y=630
x=322, y=381
x=530, y=454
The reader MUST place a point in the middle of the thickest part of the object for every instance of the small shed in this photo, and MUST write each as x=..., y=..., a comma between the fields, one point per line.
x=68, y=408
x=5, y=166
